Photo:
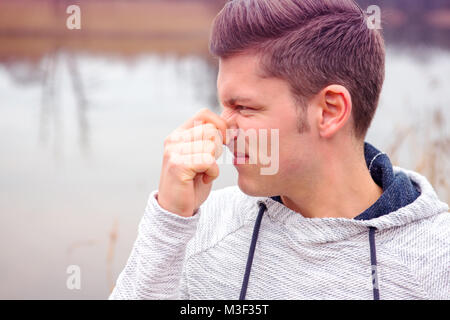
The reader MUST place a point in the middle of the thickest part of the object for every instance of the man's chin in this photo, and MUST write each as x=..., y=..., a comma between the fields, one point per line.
x=252, y=188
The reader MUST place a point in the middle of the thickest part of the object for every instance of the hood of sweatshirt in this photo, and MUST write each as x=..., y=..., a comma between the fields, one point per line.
x=407, y=197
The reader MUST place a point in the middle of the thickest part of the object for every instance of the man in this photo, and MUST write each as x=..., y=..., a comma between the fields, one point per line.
x=336, y=220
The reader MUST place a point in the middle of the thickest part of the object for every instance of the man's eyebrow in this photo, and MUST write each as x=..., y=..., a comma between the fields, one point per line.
x=236, y=100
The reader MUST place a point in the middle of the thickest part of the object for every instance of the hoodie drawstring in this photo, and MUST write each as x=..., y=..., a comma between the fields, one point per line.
x=262, y=209
x=373, y=262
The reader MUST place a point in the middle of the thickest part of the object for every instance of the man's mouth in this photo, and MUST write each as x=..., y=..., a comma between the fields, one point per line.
x=240, y=155
x=240, y=158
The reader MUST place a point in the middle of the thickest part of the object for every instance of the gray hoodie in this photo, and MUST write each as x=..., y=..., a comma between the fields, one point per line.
x=238, y=246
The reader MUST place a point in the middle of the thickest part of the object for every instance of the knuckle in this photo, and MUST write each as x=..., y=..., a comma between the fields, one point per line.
x=166, y=152
x=175, y=160
x=209, y=127
x=203, y=111
x=167, y=141
x=185, y=136
x=169, y=151
x=211, y=132
x=177, y=135
x=210, y=146
x=171, y=159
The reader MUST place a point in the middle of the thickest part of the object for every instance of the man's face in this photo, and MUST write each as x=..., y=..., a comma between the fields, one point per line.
x=252, y=102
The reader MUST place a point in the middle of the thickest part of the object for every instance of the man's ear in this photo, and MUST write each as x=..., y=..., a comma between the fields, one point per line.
x=335, y=107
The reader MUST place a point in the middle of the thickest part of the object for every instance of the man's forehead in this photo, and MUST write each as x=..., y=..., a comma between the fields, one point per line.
x=238, y=92
x=239, y=85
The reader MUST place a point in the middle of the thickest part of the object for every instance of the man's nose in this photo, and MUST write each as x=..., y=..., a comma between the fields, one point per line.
x=232, y=127
x=230, y=118
x=225, y=114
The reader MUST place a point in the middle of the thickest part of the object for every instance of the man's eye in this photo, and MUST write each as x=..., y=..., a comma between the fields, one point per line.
x=239, y=107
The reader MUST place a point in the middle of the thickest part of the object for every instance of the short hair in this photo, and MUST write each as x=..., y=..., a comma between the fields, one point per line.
x=310, y=44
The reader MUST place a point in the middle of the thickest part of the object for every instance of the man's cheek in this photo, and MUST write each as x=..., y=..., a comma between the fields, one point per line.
x=269, y=151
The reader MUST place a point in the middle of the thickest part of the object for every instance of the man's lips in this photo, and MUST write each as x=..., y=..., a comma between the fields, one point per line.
x=240, y=158
x=240, y=155
x=232, y=147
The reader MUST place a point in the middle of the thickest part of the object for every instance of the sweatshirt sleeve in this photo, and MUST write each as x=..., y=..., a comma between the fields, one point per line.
x=154, y=268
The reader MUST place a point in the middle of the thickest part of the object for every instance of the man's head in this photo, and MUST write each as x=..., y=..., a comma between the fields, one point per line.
x=313, y=69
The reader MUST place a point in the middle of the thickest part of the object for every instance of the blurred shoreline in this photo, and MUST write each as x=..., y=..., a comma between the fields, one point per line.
x=29, y=29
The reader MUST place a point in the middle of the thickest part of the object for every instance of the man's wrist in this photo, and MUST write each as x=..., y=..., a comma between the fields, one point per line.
x=182, y=213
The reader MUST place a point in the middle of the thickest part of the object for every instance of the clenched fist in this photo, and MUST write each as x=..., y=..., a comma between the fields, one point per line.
x=189, y=163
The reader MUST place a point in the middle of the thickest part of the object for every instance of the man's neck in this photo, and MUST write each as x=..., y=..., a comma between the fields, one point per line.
x=343, y=190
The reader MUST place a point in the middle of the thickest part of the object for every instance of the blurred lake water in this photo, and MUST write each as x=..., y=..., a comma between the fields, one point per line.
x=81, y=148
